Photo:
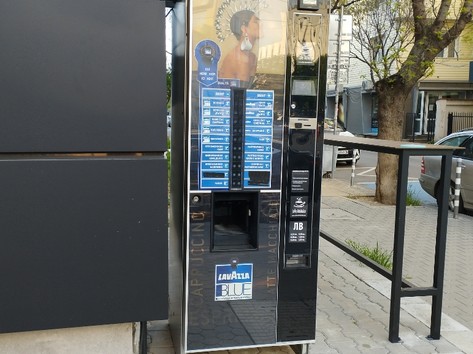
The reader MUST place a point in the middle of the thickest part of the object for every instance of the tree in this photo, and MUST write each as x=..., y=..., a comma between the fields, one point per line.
x=168, y=85
x=399, y=41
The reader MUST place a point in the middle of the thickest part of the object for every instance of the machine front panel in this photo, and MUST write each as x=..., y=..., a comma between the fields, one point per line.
x=232, y=294
x=238, y=53
x=252, y=165
x=237, y=100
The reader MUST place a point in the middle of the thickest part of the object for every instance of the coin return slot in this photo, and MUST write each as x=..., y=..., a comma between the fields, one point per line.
x=297, y=261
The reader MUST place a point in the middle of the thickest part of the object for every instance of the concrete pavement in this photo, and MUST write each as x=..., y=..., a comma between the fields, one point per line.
x=353, y=300
x=360, y=219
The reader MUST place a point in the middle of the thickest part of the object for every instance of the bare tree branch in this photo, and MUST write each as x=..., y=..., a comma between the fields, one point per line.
x=337, y=5
x=466, y=16
x=441, y=15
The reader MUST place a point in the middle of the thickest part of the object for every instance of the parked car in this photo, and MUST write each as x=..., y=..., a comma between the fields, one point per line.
x=346, y=155
x=430, y=170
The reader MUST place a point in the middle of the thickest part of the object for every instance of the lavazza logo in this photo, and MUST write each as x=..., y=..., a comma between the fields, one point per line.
x=233, y=282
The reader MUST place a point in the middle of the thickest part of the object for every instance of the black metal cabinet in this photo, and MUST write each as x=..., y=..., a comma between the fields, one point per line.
x=82, y=76
x=83, y=177
x=82, y=242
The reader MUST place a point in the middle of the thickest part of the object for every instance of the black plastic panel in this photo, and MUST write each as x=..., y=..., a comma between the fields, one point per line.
x=83, y=242
x=298, y=264
x=237, y=137
x=215, y=319
x=83, y=75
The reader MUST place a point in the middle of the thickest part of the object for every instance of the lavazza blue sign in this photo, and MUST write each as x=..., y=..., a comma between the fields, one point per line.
x=233, y=282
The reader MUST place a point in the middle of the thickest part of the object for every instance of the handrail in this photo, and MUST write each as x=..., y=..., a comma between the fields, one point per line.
x=404, y=151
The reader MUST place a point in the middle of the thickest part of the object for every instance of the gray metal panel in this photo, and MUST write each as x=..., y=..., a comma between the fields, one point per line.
x=82, y=75
x=178, y=218
x=83, y=242
x=470, y=79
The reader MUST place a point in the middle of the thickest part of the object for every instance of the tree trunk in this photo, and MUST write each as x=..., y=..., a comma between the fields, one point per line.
x=392, y=94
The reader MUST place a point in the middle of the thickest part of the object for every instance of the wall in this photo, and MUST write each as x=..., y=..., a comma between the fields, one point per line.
x=82, y=231
x=109, y=339
x=445, y=106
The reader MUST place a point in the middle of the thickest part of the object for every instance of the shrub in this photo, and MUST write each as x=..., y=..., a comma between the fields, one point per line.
x=376, y=254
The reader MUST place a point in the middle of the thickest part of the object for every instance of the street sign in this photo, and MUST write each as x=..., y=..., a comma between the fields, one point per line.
x=344, y=49
x=342, y=76
x=339, y=49
x=346, y=30
x=343, y=64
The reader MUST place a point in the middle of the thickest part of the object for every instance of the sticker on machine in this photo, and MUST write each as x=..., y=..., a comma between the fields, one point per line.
x=233, y=282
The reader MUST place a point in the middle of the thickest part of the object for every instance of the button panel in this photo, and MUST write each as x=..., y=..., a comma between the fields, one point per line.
x=237, y=133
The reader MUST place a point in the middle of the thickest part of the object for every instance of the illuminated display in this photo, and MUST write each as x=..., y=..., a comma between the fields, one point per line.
x=215, y=135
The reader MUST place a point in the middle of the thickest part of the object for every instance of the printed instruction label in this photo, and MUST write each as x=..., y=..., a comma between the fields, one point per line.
x=299, y=206
x=300, y=181
x=297, y=231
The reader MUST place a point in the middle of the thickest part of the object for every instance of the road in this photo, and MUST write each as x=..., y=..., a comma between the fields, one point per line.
x=365, y=175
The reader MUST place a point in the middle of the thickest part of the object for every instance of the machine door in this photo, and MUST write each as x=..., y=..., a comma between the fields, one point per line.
x=236, y=129
x=250, y=157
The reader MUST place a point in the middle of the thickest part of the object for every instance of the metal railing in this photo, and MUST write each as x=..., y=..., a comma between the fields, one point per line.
x=411, y=129
x=399, y=287
x=459, y=121
x=431, y=128
x=410, y=126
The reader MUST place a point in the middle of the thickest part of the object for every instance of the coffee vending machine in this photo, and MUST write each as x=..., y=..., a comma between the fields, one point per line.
x=249, y=81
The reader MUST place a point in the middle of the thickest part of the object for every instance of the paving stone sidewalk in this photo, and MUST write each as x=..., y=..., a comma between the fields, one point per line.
x=350, y=213
x=353, y=300
x=353, y=313
x=370, y=223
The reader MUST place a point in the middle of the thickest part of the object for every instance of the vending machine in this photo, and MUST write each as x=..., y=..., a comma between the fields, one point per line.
x=249, y=82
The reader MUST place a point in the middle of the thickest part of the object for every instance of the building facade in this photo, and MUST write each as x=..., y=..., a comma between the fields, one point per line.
x=451, y=78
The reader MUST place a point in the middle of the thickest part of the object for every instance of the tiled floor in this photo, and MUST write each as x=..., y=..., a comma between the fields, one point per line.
x=159, y=338
x=160, y=342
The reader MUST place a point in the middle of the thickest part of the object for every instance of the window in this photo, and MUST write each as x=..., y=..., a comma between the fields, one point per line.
x=451, y=51
x=455, y=141
x=467, y=153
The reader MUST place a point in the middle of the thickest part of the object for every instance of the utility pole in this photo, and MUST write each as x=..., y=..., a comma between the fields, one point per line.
x=337, y=91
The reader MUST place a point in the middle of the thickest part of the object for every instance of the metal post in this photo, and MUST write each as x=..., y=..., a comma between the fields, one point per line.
x=337, y=89
x=440, y=247
x=450, y=123
x=353, y=163
x=399, y=230
x=456, y=200
x=143, y=337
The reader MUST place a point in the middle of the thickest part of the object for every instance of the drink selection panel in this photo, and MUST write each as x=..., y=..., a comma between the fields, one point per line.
x=236, y=138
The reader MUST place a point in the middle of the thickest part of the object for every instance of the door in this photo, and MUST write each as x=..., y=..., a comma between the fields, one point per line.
x=467, y=173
